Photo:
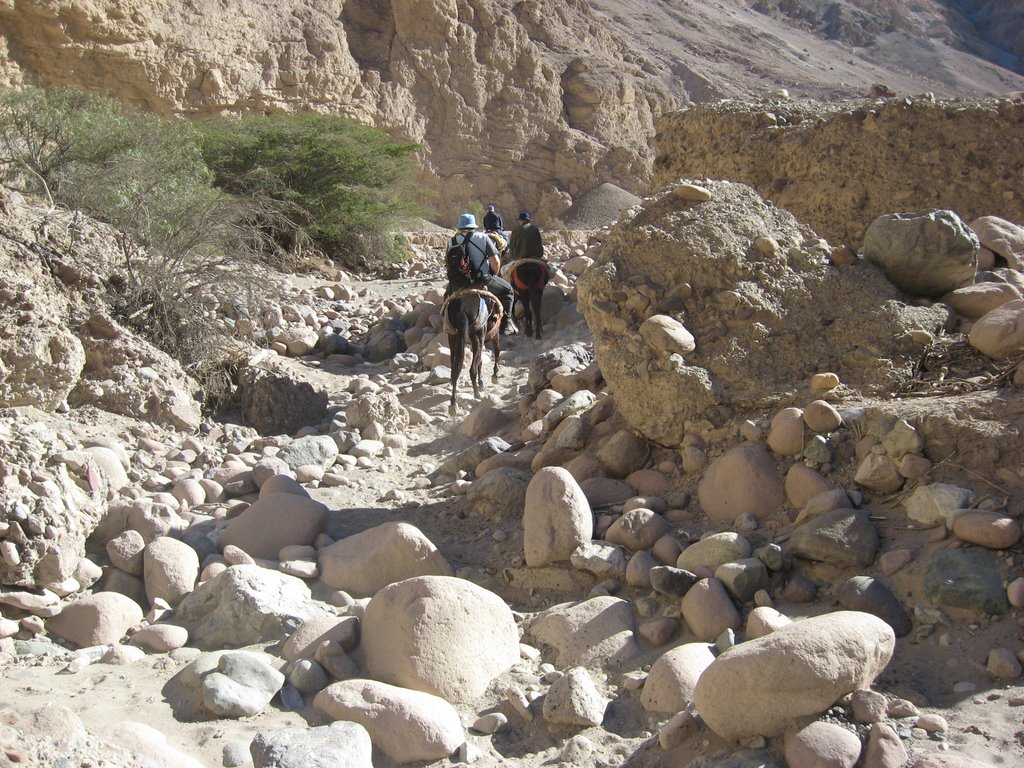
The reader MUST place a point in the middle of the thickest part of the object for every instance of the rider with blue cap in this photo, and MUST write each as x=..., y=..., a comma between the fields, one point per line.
x=486, y=264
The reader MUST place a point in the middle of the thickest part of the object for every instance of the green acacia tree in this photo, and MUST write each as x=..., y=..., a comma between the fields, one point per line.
x=145, y=176
x=340, y=186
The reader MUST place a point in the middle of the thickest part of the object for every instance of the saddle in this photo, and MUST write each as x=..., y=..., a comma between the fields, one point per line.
x=489, y=304
x=512, y=274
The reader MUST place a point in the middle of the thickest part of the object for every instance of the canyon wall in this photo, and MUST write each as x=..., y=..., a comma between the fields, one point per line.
x=523, y=104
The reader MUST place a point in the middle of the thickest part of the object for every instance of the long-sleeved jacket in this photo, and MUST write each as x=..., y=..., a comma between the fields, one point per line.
x=525, y=243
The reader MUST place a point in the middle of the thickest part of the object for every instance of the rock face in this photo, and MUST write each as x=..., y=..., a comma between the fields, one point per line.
x=546, y=93
x=274, y=402
x=41, y=365
x=124, y=374
x=786, y=151
x=694, y=261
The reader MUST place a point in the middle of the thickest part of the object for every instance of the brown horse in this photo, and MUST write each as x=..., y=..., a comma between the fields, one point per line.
x=528, y=278
x=476, y=315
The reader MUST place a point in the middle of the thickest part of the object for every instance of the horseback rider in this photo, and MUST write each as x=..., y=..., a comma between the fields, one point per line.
x=486, y=265
x=492, y=221
x=525, y=241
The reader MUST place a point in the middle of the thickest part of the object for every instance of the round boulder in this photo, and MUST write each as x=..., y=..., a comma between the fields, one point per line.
x=927, y=253
x=368, y=561
x=556, y=517
x=743, y=481
x=102, y=618
x=439, y=634
x=273, y=522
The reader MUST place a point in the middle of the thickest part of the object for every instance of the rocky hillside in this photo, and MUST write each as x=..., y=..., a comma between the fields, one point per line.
x=764, y=472
x=525, y=104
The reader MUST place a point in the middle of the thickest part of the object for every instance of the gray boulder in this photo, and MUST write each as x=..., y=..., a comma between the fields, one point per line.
x=319, y=450
x=385, y=340
x=467, y=459
x=339, y=745
x=242, y=686
x=928, y=253
x=966, y=578
x=246, y=604
x=499, y=494
x=863, y=593
x=841, y=537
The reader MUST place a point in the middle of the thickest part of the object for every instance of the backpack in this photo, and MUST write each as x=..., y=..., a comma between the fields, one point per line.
x=457, y=264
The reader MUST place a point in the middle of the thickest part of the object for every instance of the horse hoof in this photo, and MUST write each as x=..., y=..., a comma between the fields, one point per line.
x=453, y=410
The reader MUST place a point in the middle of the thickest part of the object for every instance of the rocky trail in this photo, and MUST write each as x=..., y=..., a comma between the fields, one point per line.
x=822, y=573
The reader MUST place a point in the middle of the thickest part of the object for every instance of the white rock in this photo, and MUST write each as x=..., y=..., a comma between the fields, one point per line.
x=556, y=517
x=802, y=669
x=368, y=561
x=673, y=676
x=439, y=634
x=407, y=726
x=574, y=700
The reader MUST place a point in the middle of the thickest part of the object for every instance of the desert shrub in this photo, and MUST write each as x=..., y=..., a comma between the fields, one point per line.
x=344, y=186
x=144, y=175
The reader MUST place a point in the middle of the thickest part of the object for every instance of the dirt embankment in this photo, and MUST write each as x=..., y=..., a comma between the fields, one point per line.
x=838, y=166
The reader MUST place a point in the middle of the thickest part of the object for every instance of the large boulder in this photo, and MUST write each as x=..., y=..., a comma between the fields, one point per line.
x=439, y=634
x=368, y=561
x=593, y=633
x=338, y=745
x=670, y=683
x=802, y=669
x=760, y=317
x=927, y=253
x=382, y=408
x=741, y=482
x=407, y=726
x=556, y=517
x=246, y=604
x=1002, y=237
x=999, y=333
x=102, y=618
x=273, y=522
x=275, y=402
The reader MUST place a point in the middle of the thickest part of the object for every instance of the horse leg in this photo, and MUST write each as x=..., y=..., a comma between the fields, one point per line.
x=457, y=345
x=476, y=341
x=524, y=299
x=535, y=300
x=495, y=350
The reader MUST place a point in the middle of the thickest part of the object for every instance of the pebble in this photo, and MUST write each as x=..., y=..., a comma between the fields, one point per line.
x=490, y=723
x=932, y=723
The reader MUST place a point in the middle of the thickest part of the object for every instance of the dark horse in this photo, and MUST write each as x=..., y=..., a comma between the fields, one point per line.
x=476, y=315
x=528, y=278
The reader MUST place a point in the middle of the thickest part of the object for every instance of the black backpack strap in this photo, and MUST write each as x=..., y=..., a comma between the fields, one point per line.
x=478, y=274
